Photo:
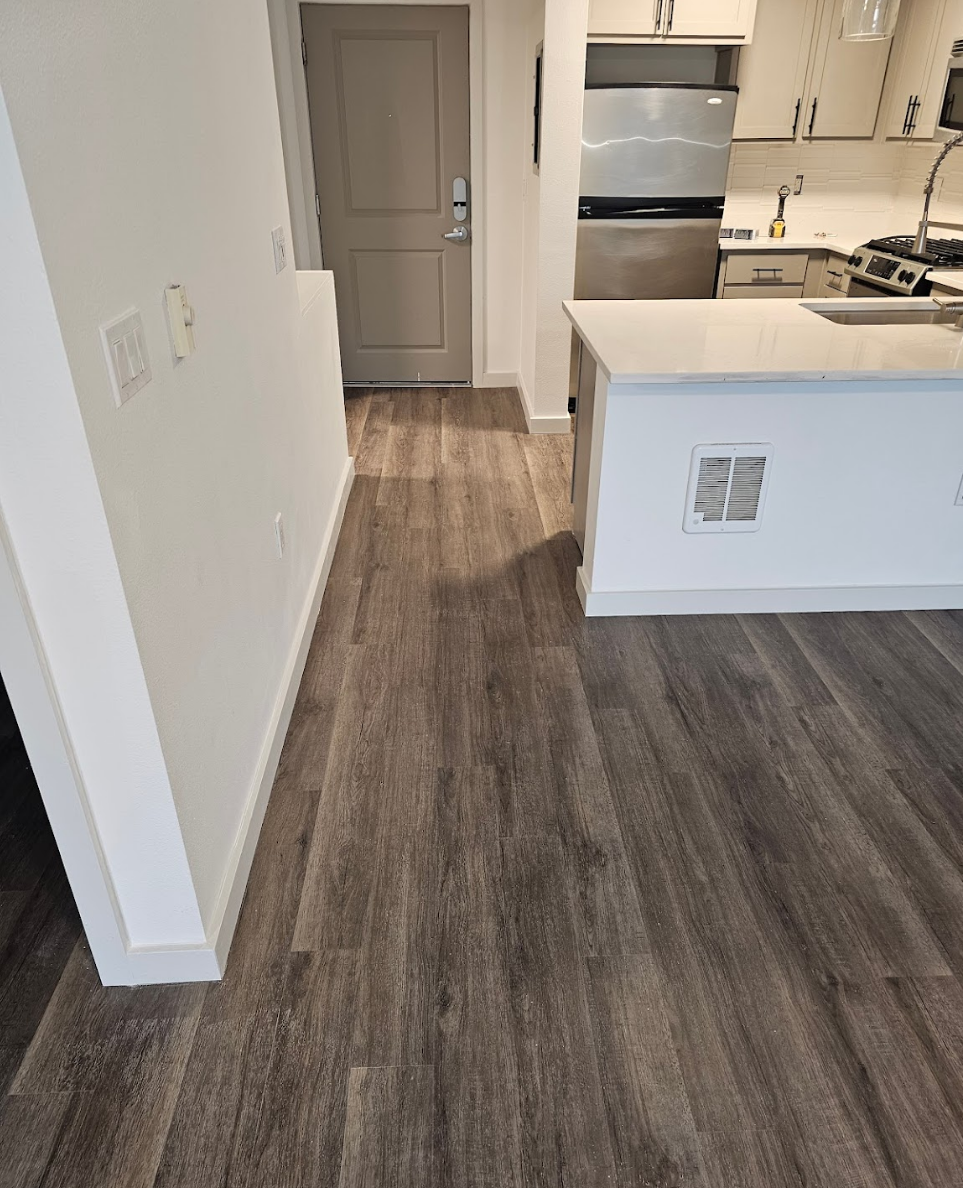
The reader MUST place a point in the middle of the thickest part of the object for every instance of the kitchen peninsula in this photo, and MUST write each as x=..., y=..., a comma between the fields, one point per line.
x=768, y=456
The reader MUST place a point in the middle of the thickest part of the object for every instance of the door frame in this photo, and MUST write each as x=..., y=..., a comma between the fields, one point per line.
x=311, y=232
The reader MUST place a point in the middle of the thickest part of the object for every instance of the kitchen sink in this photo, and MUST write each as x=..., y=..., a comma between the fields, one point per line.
x=887, y=317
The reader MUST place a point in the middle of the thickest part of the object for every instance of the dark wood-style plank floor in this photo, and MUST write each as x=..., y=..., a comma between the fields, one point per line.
x=542, y=901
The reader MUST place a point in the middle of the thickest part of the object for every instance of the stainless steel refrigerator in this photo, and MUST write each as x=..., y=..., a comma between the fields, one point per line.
x=652, y=185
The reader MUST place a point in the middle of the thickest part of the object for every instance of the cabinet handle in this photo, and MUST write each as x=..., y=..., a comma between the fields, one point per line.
x=913, y=114
x=774, y=271
x=906, y=117
x=795, y=118
x=812, y=116
x=671, y=15
x=658, y=14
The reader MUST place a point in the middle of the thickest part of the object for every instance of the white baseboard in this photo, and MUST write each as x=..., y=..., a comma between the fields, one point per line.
x=560, y=423
x=205, y=963
x=497, y=379
x=788, y=600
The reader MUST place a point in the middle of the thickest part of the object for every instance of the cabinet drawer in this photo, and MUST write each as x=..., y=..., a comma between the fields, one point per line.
x=766, y=268
x=730, y=291
x=834, y=278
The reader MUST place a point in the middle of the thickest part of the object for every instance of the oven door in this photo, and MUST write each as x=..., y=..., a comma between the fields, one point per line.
x=951, y=113
x=861, y=288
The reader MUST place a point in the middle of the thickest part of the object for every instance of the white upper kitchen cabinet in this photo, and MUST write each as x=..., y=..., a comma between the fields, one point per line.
x=773, y=70
x=917, y=70
x=623, y=18
x=800, y=78
x=845, y=82
x=721, y=19
x=714, y=21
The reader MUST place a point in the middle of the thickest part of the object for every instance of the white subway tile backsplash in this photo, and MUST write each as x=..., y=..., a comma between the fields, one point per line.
x=848, y=185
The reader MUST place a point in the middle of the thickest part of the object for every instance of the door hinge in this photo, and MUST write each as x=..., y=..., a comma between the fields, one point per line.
x=304, y=53
x=317, y=207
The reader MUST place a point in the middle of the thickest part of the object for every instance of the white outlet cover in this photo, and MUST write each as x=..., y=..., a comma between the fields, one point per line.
x=125, y=349
x=280, y=248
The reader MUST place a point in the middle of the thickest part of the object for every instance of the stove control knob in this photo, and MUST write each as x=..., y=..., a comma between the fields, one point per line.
x=910, y=277
x=852, y=260
x=903, y=276
x=858, y=260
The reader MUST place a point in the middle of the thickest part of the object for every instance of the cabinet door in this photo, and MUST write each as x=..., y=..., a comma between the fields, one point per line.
x=910, y=66
x=934, y=85
x=772, y=70
x=708, y=18
x=624, y=18
x=847, y=80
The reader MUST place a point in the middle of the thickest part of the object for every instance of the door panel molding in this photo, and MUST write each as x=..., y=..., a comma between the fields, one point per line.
x=397, y=318
x=390, y=60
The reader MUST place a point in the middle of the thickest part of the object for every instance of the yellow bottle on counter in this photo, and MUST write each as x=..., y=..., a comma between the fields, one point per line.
x=777, y=228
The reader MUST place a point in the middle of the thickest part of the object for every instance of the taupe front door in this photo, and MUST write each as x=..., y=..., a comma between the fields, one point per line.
x=388, y=98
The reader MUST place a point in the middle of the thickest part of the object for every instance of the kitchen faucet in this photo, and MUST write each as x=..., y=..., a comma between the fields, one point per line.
x=919, y=243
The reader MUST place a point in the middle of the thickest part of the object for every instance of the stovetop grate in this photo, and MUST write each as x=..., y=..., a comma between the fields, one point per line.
x=940, y=253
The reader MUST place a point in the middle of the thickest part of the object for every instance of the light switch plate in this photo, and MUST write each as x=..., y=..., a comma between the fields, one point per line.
x=125, y=349
x=280, y=248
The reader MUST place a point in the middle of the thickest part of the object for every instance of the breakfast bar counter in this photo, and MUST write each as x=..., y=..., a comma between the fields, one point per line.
x=768, y=456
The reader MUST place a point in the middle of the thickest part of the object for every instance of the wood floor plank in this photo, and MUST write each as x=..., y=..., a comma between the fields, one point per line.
x=549, y=460
x=564, y=1132
x=121, y=1054
x=301, y=1123
x=650, y=1123
x=356, y=406
x=921, y=1131
x=211, y=1139
x=262, y=941
x=380, y=744
x=39, y=930
x=387, y=1133
x=477, y=1134
x=30, y=1128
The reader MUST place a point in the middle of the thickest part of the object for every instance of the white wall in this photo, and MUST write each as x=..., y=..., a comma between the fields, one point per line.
x=550, y=264
x=149, y=142
x=77, y=635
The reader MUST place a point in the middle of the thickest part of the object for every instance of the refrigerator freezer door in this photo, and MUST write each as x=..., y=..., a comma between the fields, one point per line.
x=656, y=141
x=646, y=258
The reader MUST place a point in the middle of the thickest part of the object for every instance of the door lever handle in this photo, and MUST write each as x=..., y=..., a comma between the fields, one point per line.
x=459, y=235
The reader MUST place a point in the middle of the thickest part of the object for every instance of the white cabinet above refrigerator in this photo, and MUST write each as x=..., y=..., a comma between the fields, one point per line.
x=716, y=22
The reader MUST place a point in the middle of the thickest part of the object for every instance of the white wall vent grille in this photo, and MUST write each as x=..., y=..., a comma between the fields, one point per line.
x=727, y=487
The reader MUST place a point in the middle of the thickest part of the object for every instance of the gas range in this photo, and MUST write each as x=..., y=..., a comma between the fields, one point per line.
x=892, y=266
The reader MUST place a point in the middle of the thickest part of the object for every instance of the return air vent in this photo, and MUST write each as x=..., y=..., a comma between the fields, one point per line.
x=727, y=487
x=957, y=48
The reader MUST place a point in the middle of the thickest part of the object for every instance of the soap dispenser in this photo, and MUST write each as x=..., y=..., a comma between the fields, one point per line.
x=777, y=228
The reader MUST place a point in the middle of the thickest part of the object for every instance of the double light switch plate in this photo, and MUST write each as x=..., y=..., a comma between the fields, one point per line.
x=128, y=362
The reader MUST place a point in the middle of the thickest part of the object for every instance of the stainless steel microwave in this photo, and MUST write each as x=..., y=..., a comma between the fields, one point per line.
x=951, y=113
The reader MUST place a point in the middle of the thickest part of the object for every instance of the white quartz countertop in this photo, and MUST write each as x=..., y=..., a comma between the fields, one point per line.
x=679, y=342
x=839, y=245
x=952, y=278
